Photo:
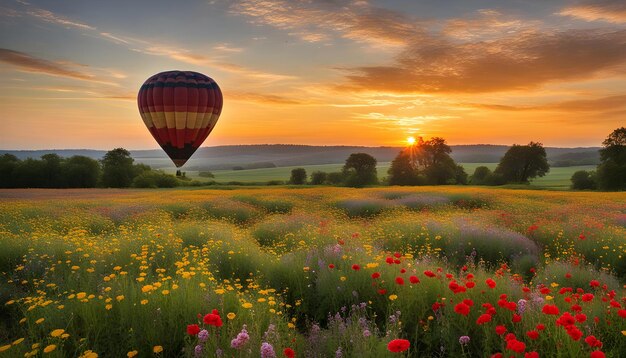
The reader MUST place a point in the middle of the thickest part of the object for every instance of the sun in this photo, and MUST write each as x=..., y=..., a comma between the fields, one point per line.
x=410, y=140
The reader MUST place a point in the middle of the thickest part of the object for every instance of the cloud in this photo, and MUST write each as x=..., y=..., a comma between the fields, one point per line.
x=316, y=20
x=410, y=123
x=48, y=16
x=28, y=63
x=613, y=11
x=187, y=56
x=263, y=98
x=521, y=61
x=599, y=105
x=486, y=23
x=224, y=47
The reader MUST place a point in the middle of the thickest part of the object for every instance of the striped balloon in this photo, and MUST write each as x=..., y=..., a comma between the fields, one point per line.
x=180, y=109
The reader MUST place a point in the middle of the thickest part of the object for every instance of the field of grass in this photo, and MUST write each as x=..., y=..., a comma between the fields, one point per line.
x=557, y=178
x=312, y=272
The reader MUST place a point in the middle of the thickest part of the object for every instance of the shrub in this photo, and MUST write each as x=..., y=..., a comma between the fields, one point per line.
x=363, y=208
x=239, y=213
x=583, y=180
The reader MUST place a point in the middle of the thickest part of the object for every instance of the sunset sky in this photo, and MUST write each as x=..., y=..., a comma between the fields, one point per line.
x=318, y=72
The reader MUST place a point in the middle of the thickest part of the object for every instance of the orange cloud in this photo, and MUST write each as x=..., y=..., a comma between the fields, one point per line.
x=607, y=10
x=28, y=63
x=313, y=20
x=517, y=62
x=600, y=105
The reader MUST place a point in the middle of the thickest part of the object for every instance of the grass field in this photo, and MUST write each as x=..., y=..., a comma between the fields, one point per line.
x=318, y=272
x=557, y=178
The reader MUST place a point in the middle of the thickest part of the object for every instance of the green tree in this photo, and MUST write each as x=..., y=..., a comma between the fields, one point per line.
x=318, y=177
x=583, y=180
x=402, y=170
x=8, y=164
x=335, y=178
x=52, y=175
x=117, y=169
x=80, y=172
x=298, y=176
x=29, y=174
x=611, y=173
x=480, y=175
x=155, y=179
x=523, y=162
x=360, y=170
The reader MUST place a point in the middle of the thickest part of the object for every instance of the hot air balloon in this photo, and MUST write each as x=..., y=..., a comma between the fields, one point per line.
x=180, y=109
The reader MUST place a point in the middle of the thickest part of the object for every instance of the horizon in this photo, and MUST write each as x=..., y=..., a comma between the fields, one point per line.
x=356, y=72
x=288, y=144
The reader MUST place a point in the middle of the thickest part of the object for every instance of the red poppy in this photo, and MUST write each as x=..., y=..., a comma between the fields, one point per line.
x=470, y=284
x=587, y=297
x=581, y=317
x=414, y=279
x=389, y=260
x=484, y=318
x=550, y=309
x=532, y=334
x=429, y=273
x=356, y=267
x=531, y=355
x=375, y=275
x=574, y=332
x=289, y=353
x=597, y=354
x=622, y=313
x=462, y=309
x=402, y=270
x=399, y=280
x=398, y=345
x=516, y=318
x=592, y=341
x=382, y=291
x=568, y=275
x=496, y=355
x=516, y=346
x=213, y=319
x=468, y=302
x=331, y=266
x=540, y=327
x=397, y=254
x=500, y=330
x=491, y=283
x=594, y=283
x=193, y=329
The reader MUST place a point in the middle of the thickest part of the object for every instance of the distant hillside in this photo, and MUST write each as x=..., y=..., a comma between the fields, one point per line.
x=282, y=155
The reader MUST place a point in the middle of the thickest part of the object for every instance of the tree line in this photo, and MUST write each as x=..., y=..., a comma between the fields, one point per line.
x=610, y=174
x=429, y=163
x=116, y=170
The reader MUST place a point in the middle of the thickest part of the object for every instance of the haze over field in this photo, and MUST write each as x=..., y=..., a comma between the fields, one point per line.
x=371, y=73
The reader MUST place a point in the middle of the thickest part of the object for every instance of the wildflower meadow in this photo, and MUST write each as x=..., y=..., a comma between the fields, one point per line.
x=312, y=272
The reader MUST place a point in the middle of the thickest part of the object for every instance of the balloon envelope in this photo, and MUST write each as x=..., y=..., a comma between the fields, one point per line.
x=180, y=109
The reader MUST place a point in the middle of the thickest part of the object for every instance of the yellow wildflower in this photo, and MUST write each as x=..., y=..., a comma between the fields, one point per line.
x=50, y=348
x=157, y=349
x=231, y=315
x=57, y=332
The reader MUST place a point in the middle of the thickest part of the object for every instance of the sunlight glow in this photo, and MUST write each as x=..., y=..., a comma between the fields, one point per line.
x=410, y=140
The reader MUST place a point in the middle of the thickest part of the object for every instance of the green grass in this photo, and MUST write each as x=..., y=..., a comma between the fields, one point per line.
x=557, y=178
